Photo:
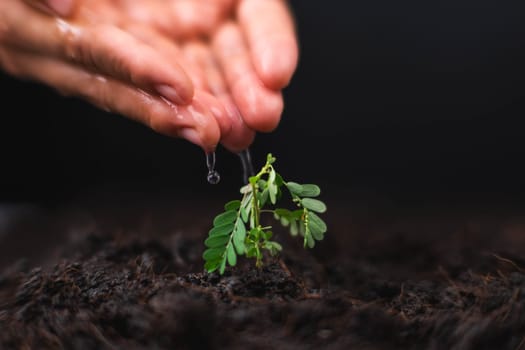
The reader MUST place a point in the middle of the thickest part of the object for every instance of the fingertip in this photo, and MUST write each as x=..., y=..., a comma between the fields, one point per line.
x=260, y=108
x=217, y=109
x=240, y=137
x=276, y=65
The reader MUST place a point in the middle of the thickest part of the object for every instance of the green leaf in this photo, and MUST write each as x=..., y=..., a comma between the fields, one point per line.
x=245, y=214
x=271, y=177
x=232, y=205
x=295, y=188
x=225, y=218
x=273, y=247
x=267, y=235
x=315, y=232
x=272, y=190
x=213, y=253
x=279, y=180
x=238, y=237
x=298, y=214
x=283, y=212
x=222, y=267
x=222, y=230
x=270, y=159
x=285, y=221
x=310, y=190
x=315, y=221
x=216, y=241
x=264, y=197
x=313, y=204
x=302, y=228
x=252, y=252
x=232, y=257
x=309, y=240
x=212, y=265
x=294, y=230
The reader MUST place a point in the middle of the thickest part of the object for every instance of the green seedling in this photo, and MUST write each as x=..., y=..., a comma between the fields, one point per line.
x=239, y=229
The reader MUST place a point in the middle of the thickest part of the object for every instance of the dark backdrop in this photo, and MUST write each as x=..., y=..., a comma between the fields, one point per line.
x=410, y=98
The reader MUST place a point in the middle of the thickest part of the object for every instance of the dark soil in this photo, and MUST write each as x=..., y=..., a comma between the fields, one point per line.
x=403, y=281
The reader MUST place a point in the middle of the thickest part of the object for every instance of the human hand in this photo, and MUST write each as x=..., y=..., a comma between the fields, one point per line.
x=79, y=56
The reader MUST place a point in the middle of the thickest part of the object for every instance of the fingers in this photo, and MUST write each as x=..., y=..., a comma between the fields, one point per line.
x=104, y=49
x=259, y=106
x=194, y=57
x=269, y=30
x=193, y=122
x=200, y=54
x=63, y=8
x=180, y=19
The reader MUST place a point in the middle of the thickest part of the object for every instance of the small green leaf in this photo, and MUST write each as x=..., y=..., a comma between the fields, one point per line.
x=285, y=221
x=313, y=204
x=252, y=252
x=283, y=212
x=222, y=267
x=212, y=265
x=264, y=197
x=232, y=257
x=222, y=230
x=239, y=237
x=295, y=188
x=315, y=232
x=216, y=241
x=315, y=220
x=302, y=228
x=232, y=205
x=310, y=190
x=277, y=246
x=310, y=242
x=294, y=230
x=225, y=218
x=267, y=235
x=271, y=177
x=298, y=214
x=272, y=190
x=213, y=253
x=279, y=180
x=244, y=214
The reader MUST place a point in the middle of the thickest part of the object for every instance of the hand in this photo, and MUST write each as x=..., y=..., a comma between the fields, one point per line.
x=121, y=56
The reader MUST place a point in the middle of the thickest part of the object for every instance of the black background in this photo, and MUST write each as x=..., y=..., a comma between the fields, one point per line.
x=406, y=99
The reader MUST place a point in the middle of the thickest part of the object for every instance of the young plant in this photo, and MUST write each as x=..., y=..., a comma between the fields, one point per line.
x=239, y=230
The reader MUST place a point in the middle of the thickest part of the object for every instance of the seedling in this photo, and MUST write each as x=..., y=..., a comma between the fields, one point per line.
x=239, y=229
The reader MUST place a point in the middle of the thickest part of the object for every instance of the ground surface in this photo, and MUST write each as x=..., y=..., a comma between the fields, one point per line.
x=420, y=278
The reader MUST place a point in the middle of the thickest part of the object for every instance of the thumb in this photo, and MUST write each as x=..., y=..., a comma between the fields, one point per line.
x=62, y=8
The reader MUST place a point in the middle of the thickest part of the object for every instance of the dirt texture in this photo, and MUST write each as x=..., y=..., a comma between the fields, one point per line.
x=385, y=282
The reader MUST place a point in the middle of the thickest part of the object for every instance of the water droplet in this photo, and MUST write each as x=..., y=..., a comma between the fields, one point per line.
x=213, y=176
x=247, y=166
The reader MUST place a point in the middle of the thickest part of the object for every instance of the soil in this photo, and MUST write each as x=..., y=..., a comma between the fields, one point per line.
x=383, y=279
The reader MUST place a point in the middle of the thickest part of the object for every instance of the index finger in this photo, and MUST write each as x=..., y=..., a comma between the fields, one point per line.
x=269, y=30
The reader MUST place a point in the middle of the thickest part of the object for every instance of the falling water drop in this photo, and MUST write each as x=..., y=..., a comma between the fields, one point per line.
x=247, y=166
x=213, y=176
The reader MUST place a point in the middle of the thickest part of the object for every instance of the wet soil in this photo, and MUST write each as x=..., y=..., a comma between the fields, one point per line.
x=454, y=280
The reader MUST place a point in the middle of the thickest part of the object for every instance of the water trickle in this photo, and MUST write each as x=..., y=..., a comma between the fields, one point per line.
x=213, y=176
x=247, y=166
